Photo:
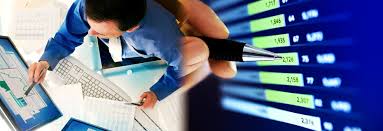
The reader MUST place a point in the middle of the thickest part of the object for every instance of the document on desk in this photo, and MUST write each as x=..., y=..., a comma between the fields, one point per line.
x=112, y=115
x=69, y=99
x=30, y=28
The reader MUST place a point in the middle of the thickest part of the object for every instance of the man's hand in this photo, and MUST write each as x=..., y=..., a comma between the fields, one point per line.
x=149, y=99
x=37, y=71
x=202, y=21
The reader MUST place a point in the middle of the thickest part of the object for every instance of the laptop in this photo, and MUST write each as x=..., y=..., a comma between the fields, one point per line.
x=22, y=113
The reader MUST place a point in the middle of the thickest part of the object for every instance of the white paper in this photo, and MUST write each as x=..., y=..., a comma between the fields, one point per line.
x=112, y=115
x=32, y=27
x=69, y=100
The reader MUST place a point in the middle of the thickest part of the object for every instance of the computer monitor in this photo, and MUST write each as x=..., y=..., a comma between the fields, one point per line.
x=324, y=81
x=21, y=112
x=78, y=125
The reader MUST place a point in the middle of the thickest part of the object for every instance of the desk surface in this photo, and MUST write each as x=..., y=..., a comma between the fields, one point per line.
x=141, y=78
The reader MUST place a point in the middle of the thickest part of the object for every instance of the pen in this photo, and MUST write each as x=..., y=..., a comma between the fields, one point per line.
x=230, y=50
x=33, y=84
x=136, y=104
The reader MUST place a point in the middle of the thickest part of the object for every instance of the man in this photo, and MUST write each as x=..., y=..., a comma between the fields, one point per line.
x=146, y=27
x=150, y=31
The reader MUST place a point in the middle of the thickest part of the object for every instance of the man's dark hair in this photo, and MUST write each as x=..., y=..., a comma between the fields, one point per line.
x=127, y=13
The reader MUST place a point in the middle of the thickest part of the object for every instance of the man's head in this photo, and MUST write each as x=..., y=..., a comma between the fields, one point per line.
x=111, y=18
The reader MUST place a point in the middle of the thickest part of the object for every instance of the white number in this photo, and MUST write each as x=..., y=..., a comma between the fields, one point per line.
x=296, y=38
x=315, y=36
x=291, y=18
x=310, y=80
x=305, y=59
x=313, y=13
x=327, y=58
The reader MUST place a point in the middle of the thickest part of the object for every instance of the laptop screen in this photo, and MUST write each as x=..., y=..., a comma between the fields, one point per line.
x=24, y=112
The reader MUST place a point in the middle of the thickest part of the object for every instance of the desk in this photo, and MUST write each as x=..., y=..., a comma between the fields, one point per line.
x=143, y=76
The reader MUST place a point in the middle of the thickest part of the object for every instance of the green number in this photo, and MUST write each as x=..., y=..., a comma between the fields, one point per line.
x=292, y=79
x=302, y=100
x=276, y=21
x=270, y=3
x=287, y=59
x=279, y=40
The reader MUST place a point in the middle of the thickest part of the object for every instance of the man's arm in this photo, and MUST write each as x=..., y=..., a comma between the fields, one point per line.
x=169, y=82
x=70, y=35
x=172, y=79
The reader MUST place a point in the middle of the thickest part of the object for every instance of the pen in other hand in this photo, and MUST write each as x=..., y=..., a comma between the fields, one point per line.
x=136, y=104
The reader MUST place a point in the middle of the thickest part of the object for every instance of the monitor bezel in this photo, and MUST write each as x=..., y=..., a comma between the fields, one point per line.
x=71, y=120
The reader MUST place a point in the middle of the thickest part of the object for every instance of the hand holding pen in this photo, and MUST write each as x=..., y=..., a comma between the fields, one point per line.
x=36, y=74
x=136, y=103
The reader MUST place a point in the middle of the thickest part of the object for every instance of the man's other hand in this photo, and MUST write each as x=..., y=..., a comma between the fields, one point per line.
x=149, y=100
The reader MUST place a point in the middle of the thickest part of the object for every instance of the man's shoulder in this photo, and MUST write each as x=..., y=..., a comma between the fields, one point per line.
x=156, y=13
x=159, y=30
x=159, y=25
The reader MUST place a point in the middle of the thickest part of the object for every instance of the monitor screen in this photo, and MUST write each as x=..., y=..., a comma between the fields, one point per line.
x=24, y=112
x=315, y=86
